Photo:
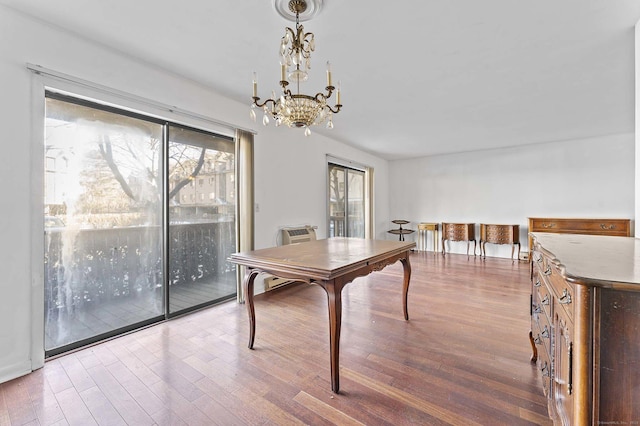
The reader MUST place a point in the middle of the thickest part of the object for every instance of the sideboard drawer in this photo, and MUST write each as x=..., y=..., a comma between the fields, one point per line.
x=563, y=289
x=544, y=365
x=581, y=226
x=500, y=234
x=458, y=231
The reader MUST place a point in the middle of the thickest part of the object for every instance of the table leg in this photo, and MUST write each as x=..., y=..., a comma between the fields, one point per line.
x=406, y=265
x=334, y=299
x=247, y=284
x=534, y=355
x=435, y=241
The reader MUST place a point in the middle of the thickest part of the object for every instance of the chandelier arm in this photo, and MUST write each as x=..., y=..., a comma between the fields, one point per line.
x=311, y=48
x=335, y=111
x=291, y=33
x=329, y=90
x=265, y=103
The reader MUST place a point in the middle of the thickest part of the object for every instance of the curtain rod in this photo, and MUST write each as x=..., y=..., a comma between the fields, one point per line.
x=37, y=69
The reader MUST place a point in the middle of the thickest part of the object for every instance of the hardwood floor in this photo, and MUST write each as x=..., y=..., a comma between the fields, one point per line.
x=462, y=359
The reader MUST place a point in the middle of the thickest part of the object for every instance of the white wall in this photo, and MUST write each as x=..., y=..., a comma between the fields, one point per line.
x=637, y=157
x=288, y=191
x=578, y=178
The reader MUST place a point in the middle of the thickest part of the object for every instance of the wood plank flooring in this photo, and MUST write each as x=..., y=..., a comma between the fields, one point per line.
x=461, y=359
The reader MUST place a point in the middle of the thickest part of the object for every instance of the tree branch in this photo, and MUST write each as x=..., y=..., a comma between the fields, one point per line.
x=107, y=154
x=192, y=176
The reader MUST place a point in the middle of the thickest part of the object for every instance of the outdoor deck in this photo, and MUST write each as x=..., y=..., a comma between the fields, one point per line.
x=92, y=319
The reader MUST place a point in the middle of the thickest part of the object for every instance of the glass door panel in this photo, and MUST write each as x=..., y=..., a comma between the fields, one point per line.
x=355, y=199
x=337, y=201
x=202, y=222
x=103, y=233
x=346, y=202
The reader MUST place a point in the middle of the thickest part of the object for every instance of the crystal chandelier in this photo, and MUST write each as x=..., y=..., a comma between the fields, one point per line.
x=297, y=109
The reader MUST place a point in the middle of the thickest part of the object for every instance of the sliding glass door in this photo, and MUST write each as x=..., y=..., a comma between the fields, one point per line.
x=346, y=202
x=139, y=221
x=202, y=221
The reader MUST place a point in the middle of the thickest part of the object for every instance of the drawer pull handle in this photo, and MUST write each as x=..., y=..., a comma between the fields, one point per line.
x=570, y=378
x=604, y=226
x=537, y=340
x=565, y=299
x=536, y=309
x=539, y=259
x=547, y=271
x=545, y=333
x=545, y=300
x=537, y=284
x=549, y=225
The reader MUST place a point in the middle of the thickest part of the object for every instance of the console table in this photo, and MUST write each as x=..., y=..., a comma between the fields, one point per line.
x=616, y=227
x=585, y=317
x=499, y=234
x=422, y=236
x=459, y=232
x=331, y=264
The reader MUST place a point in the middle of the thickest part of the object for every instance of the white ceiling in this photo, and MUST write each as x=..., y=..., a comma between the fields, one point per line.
x=418, y=77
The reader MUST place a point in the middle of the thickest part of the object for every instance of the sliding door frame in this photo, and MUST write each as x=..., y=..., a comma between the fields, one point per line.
x=369, y=229
x=45, y=81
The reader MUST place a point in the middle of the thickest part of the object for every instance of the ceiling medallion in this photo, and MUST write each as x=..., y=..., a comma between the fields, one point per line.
x=297, y=109
x=287, y=11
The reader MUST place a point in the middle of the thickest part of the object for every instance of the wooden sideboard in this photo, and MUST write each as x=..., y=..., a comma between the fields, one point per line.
x=617, y=227
x=459, y=232
x=585, y=317
x=499, y=234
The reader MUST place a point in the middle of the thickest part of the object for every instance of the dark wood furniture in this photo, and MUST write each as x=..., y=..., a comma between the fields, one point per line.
x=459, y=232
x=585, y=323
x=499, y=234
x=401, y=232
x=617, y=227
x=331, y=264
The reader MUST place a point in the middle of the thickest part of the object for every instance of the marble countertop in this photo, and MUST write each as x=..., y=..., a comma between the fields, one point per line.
x=593, y=259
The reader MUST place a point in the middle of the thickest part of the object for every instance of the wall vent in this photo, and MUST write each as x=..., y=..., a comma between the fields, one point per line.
x=290, y=235
x=298, y=235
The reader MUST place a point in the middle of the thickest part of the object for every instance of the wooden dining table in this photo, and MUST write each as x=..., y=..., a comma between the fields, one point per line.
x=330, y=263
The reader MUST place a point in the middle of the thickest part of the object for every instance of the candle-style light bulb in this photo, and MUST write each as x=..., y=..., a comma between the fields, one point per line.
x=283, y=72
x=328, y=73
x=338, y=97
x=255, y=85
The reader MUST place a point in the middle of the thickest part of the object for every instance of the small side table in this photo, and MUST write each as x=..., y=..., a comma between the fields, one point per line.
x=400, y=231
x=459, y=232
x=499, y=234
x=423, y=228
